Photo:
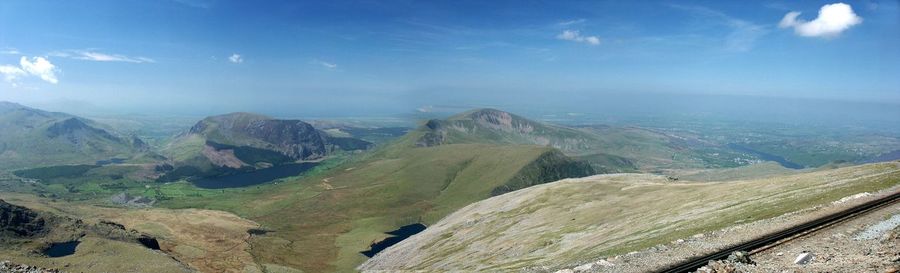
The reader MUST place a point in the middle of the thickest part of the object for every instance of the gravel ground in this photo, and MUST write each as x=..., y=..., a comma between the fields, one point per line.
x=834, y=248
x=9, y=267
x=864, y=244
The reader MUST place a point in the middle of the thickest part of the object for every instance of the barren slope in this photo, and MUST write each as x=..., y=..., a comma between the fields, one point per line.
x=575, y=219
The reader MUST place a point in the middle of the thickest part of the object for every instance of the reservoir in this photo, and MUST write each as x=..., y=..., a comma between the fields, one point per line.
x=766, y=156
x=255, y=177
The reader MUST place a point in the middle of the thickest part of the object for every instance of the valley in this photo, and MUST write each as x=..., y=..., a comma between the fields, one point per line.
x=286, y=196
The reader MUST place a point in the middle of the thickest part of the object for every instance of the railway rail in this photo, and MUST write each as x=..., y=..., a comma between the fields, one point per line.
x=779, y=237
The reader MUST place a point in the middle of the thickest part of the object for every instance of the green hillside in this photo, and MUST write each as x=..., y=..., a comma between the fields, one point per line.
x=607, y=149
x=35, y=138
x=323, y=221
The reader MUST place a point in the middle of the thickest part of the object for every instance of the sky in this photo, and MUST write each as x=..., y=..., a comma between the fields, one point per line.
x=384, y=57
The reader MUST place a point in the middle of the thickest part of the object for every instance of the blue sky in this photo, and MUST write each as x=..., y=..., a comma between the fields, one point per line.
x=306, y=57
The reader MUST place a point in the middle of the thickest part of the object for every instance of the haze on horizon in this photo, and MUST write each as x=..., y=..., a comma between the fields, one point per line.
x=355, y=58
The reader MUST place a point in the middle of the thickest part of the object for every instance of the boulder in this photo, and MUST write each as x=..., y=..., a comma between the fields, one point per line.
x=803, y=258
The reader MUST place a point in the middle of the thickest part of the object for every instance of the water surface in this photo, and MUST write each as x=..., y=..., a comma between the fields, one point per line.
x=255, y=177
x=57, y=250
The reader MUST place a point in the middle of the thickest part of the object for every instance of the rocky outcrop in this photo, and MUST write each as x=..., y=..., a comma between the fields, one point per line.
x=35, y=230
x=10, y=267
x=295, y=139
x=19, y=221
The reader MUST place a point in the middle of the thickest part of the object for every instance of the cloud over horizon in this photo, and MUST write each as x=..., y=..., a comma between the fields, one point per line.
x=575, y=36
x=833, y=19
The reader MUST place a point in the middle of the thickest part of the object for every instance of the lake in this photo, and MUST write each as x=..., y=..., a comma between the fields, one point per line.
x=254, y=178
x=399, y=235
x=766, y=156
x=61, y=249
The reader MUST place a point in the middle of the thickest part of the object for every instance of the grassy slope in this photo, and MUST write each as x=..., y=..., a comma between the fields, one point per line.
x=323, y=220
x=606, y=148
x=24, y=141
x=578, y=219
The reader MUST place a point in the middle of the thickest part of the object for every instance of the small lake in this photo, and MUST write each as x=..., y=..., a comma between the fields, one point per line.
x=57, y=250
x=399, y=235
x=255, y=177
x=766, y=156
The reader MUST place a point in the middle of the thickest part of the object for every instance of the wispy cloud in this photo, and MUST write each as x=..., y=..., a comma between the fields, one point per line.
x=326, y=65
x=236, y=58
x=575, y=36
x=743, y=35
x=90, y=55
x=10, y=51
x=571, y=22
x=36, y=66
x=833, y=19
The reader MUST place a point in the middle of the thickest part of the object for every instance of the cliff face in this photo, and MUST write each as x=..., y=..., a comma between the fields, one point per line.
x=292, y=138
x=16, y=221
x=35, y=230
x=240, y=142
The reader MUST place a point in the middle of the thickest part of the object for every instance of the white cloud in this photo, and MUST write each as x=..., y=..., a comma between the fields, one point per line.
x=327, y=65
x=575, y=36
x=571, y=22
x=832, y=20
x=236, y=58
x=89, y=55
x=103, y=57
x=37, y=66
x=743, y=34
x=11, y=73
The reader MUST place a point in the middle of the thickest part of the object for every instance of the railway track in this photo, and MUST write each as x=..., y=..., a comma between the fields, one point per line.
x=779, y=237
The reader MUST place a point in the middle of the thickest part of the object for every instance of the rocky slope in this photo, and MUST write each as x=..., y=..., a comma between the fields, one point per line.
x=35, y=138
x=249, y=141
x=551, y=226
x=34, y=231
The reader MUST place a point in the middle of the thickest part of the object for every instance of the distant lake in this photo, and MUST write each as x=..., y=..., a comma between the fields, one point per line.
x=766, y=156
x=399, y=235
x=894, y=155
x=255, y=177
x=110, y=161
x=57, y=250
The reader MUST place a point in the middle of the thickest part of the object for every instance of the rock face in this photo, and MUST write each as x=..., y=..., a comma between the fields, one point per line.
x=20, y=222
x=240, y=142
x=293, y=138
x=23, y=227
